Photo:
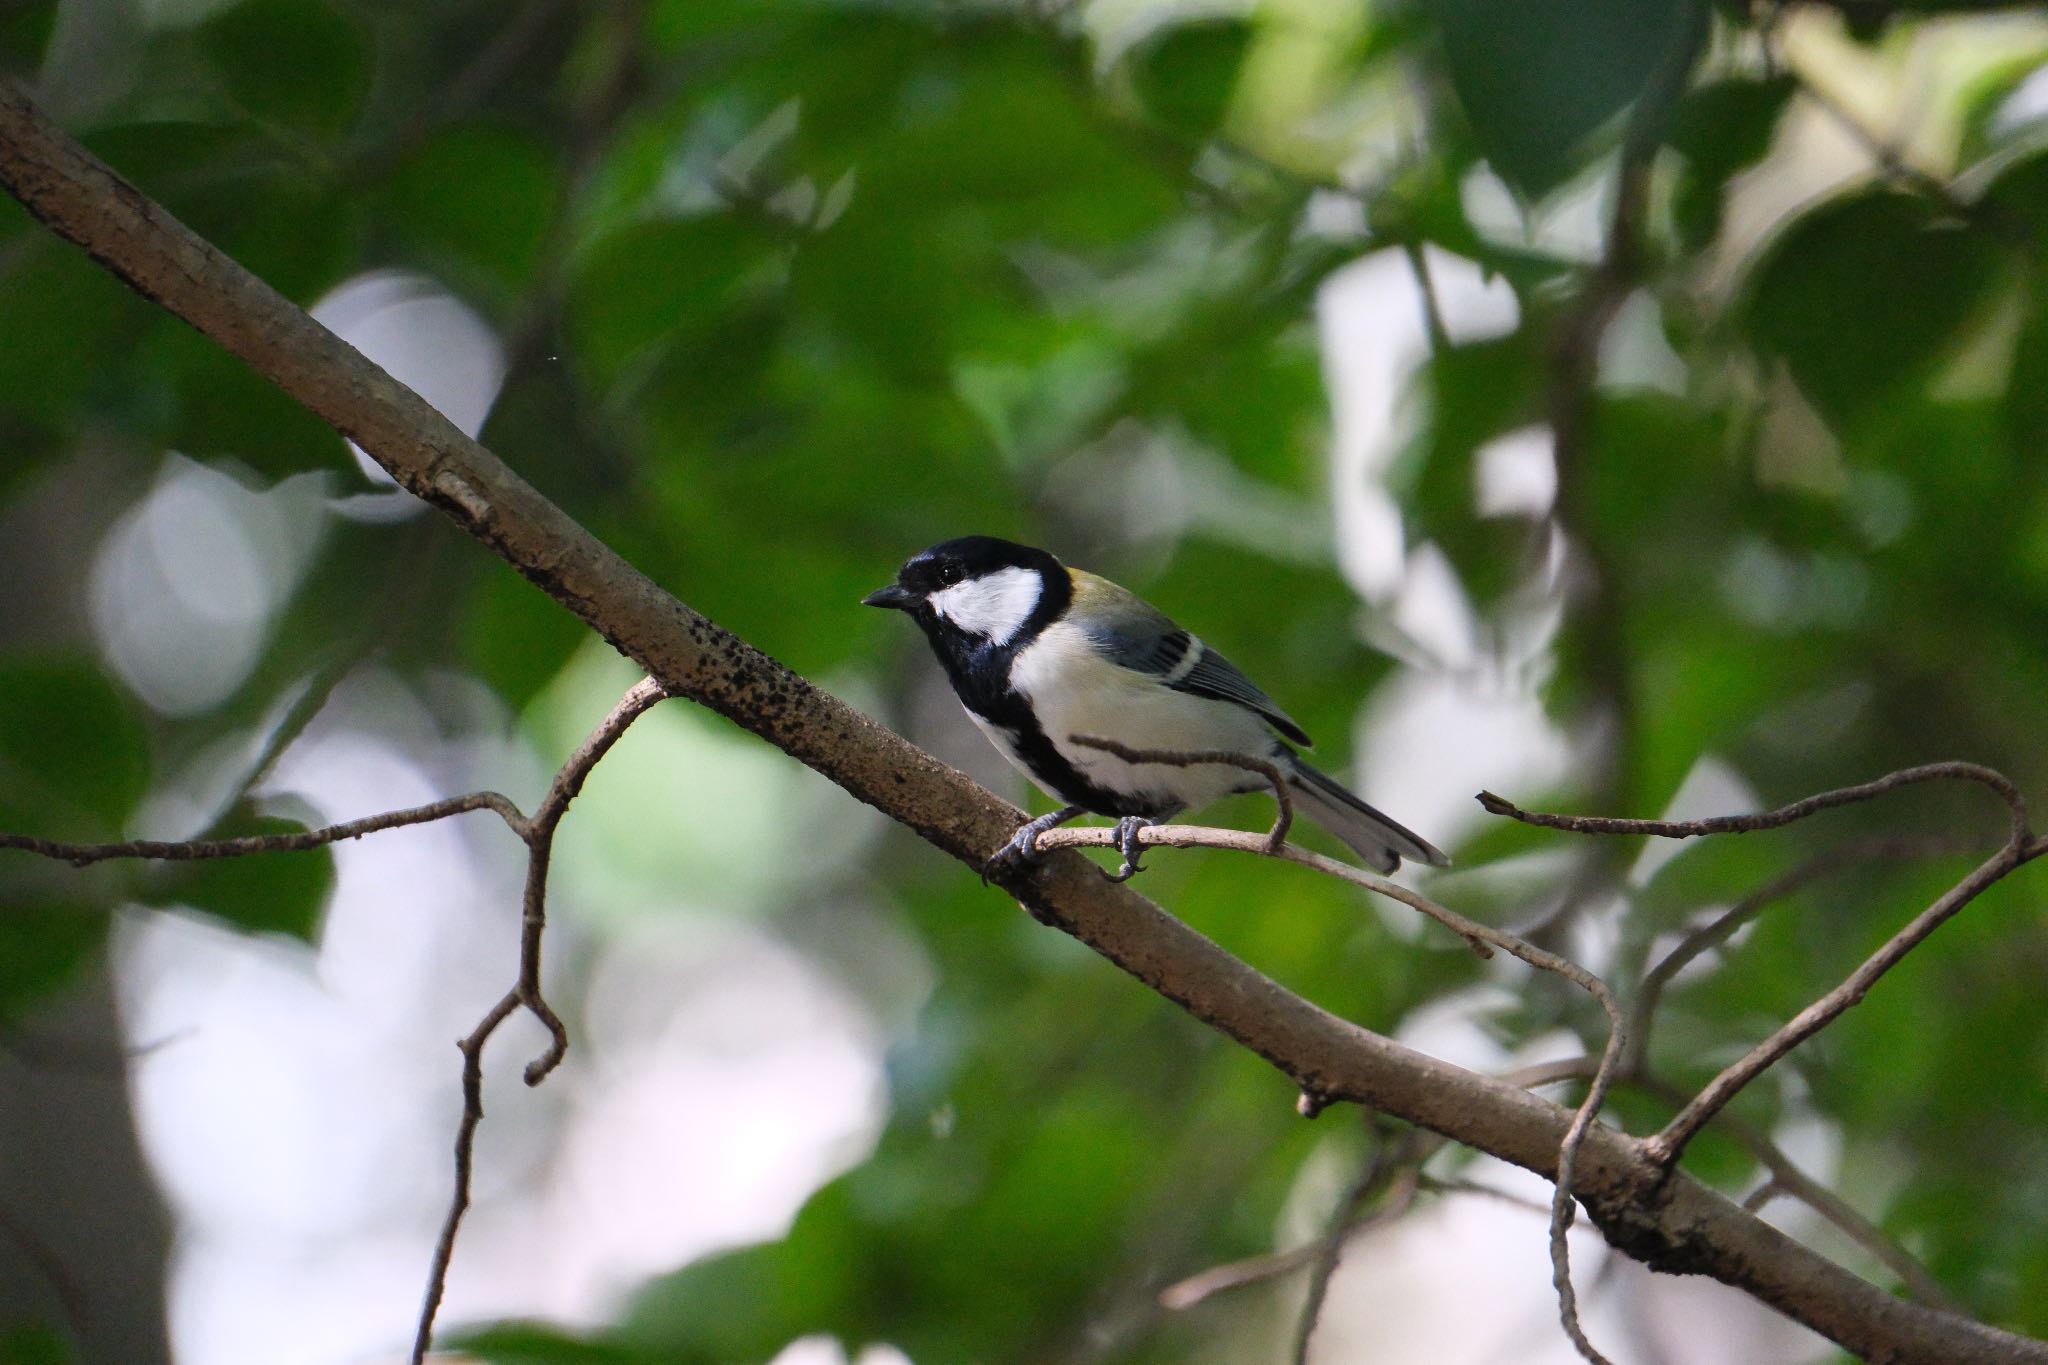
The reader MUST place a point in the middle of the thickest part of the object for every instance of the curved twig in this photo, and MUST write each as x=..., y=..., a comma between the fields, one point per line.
x=1666, y=1146
x=525, y=993
x=1784, y=1177
x=1478, y=937
x=1718, y=930
x=1998, y=782
x=1481, y=938
x=537, y=832
x=1392, y=1171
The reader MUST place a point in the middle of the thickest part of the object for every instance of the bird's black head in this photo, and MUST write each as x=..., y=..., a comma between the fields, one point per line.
x=978, y=590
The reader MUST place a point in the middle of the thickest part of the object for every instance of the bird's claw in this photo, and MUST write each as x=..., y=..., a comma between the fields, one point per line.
x=1021, y=849
x=1127, y=844
x=1023, y=845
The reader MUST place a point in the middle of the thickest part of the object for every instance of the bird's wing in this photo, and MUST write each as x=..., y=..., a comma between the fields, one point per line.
x=1134, y=634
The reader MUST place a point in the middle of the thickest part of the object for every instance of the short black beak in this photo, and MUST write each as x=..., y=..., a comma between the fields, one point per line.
x=894, y=596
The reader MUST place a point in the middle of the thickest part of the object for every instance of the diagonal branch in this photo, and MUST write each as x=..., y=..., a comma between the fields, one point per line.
x=2020, y=847
x=1482, y=939
x=1664, y=1218
x=1668, y=1144
x=1718, y=930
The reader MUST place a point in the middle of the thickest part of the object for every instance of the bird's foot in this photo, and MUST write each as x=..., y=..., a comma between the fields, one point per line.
x=1023, y=845
x=1127, y=844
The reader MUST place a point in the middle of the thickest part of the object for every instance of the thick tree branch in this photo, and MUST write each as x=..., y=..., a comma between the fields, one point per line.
x=1665, y=1219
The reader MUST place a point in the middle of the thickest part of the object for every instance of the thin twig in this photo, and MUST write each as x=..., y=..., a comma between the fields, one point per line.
x=1785, y=1176
x=1478, y=935
x=1179, y=758
x=1392, y=1170
x=82, y=855
x=1571, y=401
x=1433, y=1185
x=1196, y=1288
x=1666, y=1146
x=1718, y=930
x=1773, y=819
x=1425, y=290
x=1888, y=156
x=1418, y=1145
x=536, y=832
x=539, y=833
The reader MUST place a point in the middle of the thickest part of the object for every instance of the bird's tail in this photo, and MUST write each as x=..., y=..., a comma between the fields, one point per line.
x=1375, y=838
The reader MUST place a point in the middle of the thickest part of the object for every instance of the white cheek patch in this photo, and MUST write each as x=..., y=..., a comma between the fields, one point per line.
x=996, y=605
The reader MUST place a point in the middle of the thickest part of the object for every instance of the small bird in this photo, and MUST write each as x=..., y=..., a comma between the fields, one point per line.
x=1039, y=653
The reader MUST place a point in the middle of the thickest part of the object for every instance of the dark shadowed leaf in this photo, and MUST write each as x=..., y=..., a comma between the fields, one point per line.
x=1186, y=75
x=297, y=62
x=518, y=636
x=24, y=33
x=1536, y=77
x=475, y=202
x=1721, y=129
x=1863, y=296
x=73, y=754
x=41, y=944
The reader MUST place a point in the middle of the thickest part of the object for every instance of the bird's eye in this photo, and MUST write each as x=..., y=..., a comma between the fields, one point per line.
x=949, y=574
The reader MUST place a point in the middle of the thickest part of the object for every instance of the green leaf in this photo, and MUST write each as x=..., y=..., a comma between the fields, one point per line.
x=299, y=63
x=74, y=758
x=281, y=893
x=2017, y=200
x=1721, y=129
x=532, y=1343
x=475, y=202
x=62, y=315
x=1187, y=75
x=196, y=398
x=42, y=943
x=739, y=1305
x=1536, y=77
x=1984, y=100
x=653, y=285
x=1864, y=296
x=518, y=637
x=2026, y=394
x=24, y=34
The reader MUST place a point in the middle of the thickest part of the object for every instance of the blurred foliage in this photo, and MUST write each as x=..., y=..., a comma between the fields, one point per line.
x=789, y=288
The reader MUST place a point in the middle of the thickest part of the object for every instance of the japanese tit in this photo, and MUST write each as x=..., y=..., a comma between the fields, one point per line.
x=1039, y=653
